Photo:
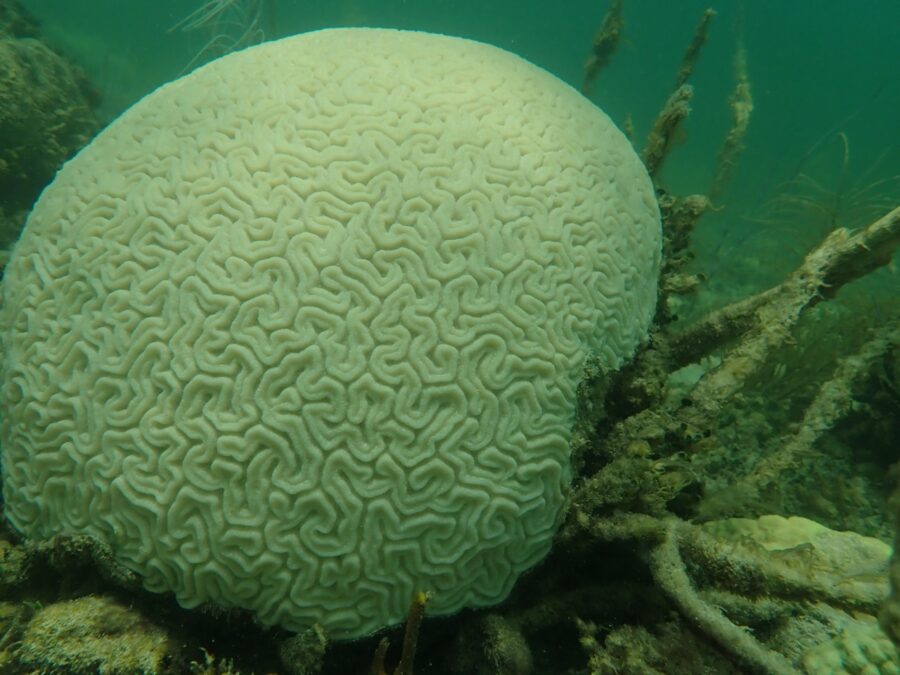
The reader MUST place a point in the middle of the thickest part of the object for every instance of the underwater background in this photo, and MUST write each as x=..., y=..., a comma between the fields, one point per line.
x=823, y=75
x=822, y=151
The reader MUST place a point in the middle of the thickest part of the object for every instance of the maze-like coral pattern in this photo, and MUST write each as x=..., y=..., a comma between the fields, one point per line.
x=300, y=332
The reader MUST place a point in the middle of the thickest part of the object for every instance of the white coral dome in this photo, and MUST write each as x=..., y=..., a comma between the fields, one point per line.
x=300, y=332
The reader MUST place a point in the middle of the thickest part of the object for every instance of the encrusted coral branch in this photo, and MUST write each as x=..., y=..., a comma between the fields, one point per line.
x=832, y=402
x=841, y=258
x=659, y=141
x=606, y=42
x=677, y=107
x=410, y=639
x=664, y=538
x=669, y=572
x=411, y=634
x=741, y=103
x=643, y=444
x=747, y=580
x=701, y=34
x=640, y=471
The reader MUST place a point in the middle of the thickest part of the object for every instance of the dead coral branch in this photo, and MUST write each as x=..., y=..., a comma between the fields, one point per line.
x=701, y=34
x=667, y=540
x=764, y=318
x=676, y=108
x=659, y=141
x=741, y=103
x=842, y=257
x=640, y=469
x=679, y=216
x=670, y=574
x=834, y=400
x=410, y=639
x=606, y=42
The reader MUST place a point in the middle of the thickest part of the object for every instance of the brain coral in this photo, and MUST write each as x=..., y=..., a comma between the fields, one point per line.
x=301, y=331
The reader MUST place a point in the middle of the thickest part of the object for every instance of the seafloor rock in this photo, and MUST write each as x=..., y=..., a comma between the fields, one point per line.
x=15, y=21
x=45, y=112
x=44, y=115
x=94, y=634
x=861, y=648
x=856, y=562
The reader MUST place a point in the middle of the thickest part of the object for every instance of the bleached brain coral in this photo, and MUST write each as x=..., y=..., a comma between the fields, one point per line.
x=301, y=331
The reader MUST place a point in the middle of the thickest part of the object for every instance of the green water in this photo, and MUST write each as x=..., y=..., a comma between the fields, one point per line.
x=825, y=96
